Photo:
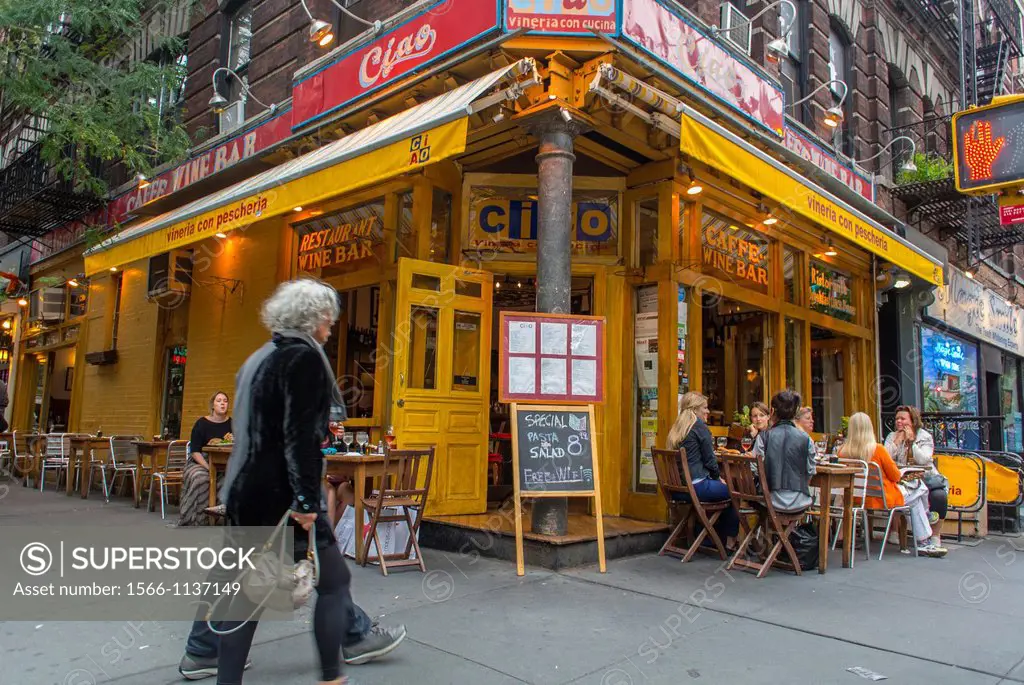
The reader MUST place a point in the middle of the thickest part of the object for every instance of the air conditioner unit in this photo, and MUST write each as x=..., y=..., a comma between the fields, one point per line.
x=170, y=273
x=736, y=28
x=48, y=305
x=232, y=117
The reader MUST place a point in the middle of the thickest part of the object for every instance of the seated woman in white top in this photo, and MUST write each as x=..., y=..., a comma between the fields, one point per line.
x=911, y=445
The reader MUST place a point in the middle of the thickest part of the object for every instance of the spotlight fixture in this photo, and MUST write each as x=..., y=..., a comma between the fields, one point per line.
x=113, y=269
x=770, y=220
x=218, y=103
x=23, y=302
x=221, y=235
x=831, y=251
x=497, y=285
x=969, y=273
x=776, y=50
x=909, y=166
x=297, y=209
x=73, y=282
x=694, y=188
x=141, y=181
x=833, y=117
x=7, y=324
x=320, y=32
x=902, y=280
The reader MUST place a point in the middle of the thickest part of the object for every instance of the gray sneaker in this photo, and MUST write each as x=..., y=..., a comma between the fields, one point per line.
x=198, y=668
x=378, y=642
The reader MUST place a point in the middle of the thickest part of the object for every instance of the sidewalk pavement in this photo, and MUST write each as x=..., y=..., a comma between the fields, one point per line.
x=649, y=619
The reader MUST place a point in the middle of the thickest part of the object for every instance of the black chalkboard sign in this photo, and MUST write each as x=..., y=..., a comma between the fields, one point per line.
x=554, y=449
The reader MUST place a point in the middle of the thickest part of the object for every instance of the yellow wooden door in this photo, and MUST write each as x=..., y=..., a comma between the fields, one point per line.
x=442, y=373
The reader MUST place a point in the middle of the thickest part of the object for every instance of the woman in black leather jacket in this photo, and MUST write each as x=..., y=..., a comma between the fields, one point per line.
x=283, y=398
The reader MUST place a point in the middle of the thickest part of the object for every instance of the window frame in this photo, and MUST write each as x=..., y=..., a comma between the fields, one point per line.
x=842, y=136
x=235, y=92
x=798, y=62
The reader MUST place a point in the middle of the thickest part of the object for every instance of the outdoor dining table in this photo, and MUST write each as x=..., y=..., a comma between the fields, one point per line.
x=358, y=467
x=81, y=456
x=216, y=458
x=827, y=477
x=145, y=451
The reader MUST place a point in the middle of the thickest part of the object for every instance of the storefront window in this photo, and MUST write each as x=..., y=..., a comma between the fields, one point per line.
x=645, y=334
x=789, y=273
x=174, y=390
x=733, y=357
x=681, y=327
x=949, y=369
x=1010, y=400
x=647, y=231
x=406, y=227
x=343, y=241
x=421, y=371
x=734, y=253
x=440, y=226
x=828, y=379
x=794, y=355
x=831, y=292
x=78, y=301
x=466, y=352
x=351, y=349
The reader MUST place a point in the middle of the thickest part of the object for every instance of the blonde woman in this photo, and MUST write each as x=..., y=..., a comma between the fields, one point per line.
x=861, y=444
x=804, y=419
x=690, y=432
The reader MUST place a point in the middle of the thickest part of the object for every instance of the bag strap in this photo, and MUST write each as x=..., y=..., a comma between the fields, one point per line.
x=311, y=554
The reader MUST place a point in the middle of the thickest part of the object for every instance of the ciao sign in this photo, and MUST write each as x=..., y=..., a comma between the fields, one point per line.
x=349, y=236
x=739, y=254
x=507, y=220
x=831, y=293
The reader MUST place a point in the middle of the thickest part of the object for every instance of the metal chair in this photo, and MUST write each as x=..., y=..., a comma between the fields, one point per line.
x=860, y=482
x=169, y=473
x=122, y=462
x=55, y=458
x=23, y=462
x=875, y=488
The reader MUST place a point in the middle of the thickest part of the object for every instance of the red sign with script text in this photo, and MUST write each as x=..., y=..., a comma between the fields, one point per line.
x=422, y=40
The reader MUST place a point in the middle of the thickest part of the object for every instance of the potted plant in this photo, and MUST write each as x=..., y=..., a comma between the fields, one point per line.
x=742, y=418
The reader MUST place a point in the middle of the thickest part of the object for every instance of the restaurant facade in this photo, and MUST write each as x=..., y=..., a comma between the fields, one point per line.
x=725, y=258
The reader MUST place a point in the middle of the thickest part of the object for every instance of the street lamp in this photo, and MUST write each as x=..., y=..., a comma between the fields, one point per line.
x=320, y=32
x=218, y=103
x=834, y=114
x=777, y=48
x=908, y=166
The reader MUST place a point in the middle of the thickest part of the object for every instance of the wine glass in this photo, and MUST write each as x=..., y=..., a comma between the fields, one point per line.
x=746, y=443
x=362, y=437
x=721, y=441
x=338, y=430
x=347, y=438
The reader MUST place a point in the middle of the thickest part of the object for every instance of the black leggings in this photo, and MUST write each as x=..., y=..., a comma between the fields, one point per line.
x=938, y=502
x=330, y=622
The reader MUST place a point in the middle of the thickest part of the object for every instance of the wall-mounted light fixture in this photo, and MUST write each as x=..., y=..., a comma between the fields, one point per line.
x=834, y=114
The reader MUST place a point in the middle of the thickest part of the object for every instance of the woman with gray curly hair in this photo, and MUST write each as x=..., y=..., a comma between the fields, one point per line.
x=284, y=393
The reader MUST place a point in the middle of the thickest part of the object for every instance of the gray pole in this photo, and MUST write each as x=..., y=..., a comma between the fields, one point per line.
x=554, y=259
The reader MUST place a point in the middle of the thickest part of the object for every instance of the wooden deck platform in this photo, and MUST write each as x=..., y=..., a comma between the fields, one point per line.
x=582, y=527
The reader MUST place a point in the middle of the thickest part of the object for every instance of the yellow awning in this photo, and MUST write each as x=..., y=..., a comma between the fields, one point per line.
x=421, y=135
x=752, y=167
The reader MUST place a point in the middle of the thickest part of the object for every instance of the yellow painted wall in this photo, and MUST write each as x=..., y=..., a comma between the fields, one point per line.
x=121, y=398
x=224, y=327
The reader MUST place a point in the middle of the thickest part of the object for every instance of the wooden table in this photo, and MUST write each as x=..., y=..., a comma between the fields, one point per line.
x=216, y=457
x=830, y=476
x=359, y=468
x=81, y=455
x=145, y=450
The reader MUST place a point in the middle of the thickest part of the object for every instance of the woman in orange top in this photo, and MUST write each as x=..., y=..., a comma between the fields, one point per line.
x=861, y=444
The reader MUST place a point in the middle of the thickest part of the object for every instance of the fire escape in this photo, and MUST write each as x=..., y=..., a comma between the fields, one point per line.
x=983, y=50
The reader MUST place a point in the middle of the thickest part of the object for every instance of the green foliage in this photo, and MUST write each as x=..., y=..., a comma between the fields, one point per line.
x=844, y=424
x=75, y=74
x=930, y=167
x=742, y=417
x=47, y=282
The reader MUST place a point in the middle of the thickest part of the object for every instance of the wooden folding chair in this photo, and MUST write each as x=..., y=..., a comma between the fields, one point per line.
x=742, y=480
x=399, y=490
x=666, y=466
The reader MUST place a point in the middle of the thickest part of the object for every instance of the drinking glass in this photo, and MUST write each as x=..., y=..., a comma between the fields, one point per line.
x=747, y=442
x=721, y=441
x=347, y=438
x=362, y=437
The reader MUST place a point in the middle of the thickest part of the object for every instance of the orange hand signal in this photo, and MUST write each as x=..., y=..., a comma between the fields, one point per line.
x=980, y=151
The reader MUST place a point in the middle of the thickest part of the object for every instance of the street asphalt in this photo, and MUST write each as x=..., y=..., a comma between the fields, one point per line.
x=649, y=619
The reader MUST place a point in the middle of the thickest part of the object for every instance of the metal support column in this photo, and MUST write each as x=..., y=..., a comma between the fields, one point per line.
x=556, y=131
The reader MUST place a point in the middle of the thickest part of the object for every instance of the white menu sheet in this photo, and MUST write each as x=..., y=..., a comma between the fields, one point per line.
x=584, y=339
x=553, y=379
x=584, y=377
x=522, y=376
x=522, y=337
x=554, y=338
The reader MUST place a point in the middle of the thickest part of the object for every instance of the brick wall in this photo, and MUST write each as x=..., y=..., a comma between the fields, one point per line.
x=224, y=327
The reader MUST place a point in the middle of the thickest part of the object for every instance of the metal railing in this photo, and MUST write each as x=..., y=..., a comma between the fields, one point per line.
x=952, y=430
